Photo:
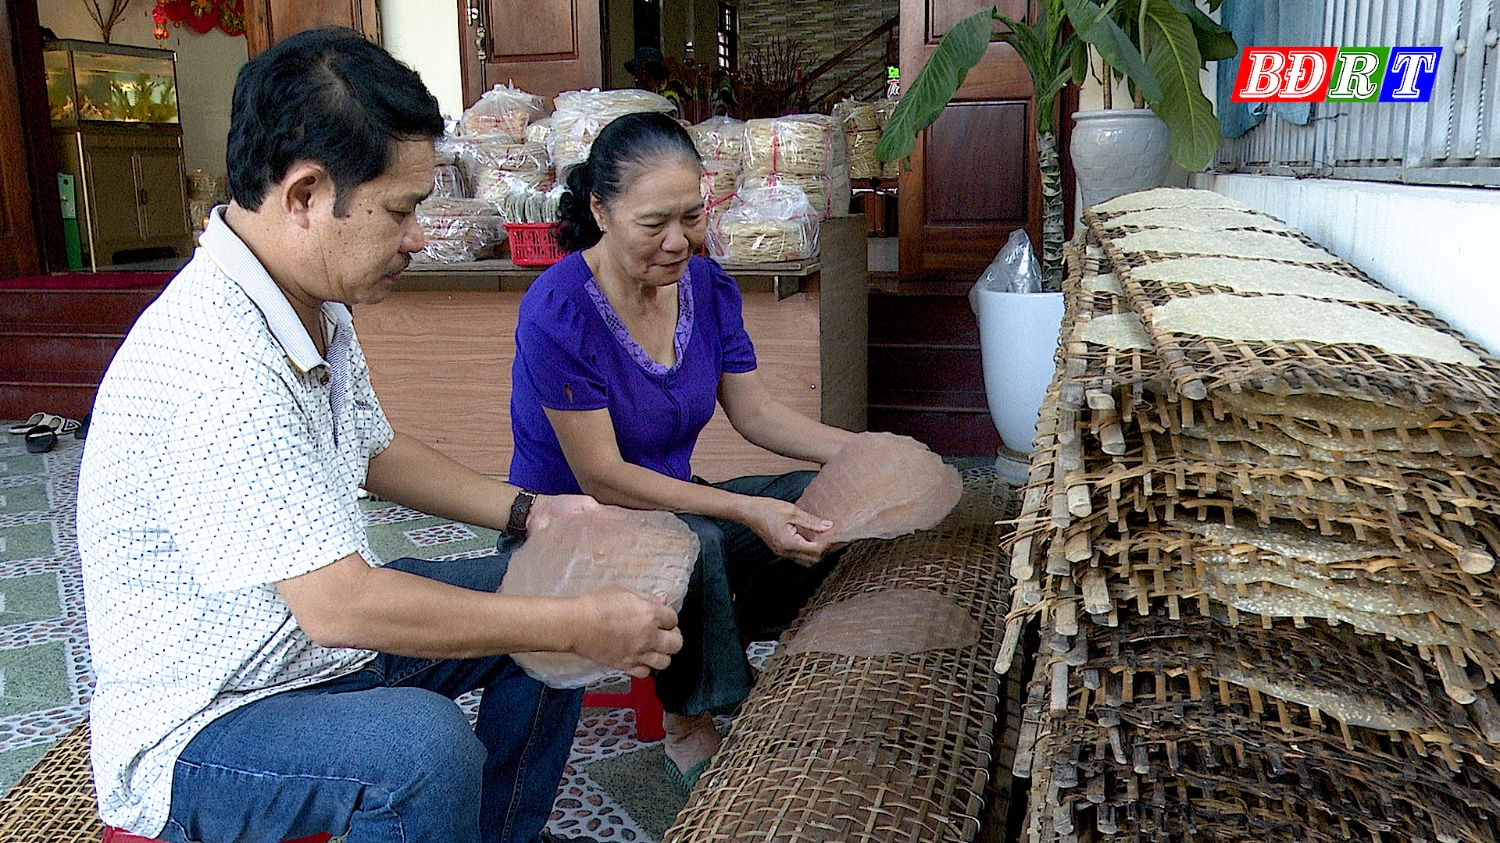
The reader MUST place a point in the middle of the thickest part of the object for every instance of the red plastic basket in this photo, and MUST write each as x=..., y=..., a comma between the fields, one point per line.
x=534, y=243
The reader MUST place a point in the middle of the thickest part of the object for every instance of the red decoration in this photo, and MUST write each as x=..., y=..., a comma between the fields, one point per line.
x=199, y=16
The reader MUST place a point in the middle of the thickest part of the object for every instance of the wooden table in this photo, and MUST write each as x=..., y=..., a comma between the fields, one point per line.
x=441, y=346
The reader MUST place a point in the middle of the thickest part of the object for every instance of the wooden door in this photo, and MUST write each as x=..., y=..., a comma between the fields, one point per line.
x=973, y=177
x=542, y=46
x=269, y=21
x=18, y=245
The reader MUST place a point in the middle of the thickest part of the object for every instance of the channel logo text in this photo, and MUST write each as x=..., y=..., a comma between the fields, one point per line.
x=1336, y=74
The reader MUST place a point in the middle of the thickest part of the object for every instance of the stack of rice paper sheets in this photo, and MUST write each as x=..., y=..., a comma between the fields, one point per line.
x=1261, y=570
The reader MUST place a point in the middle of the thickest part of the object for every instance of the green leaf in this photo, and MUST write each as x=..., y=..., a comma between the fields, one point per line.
x=1094, y=25
x=1175, y=60
x=961, y=48
x=1215, y=43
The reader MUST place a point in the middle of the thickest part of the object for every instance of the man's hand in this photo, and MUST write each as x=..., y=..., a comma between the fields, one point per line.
x=547, y=507
x=788, y=530
x=626, y=630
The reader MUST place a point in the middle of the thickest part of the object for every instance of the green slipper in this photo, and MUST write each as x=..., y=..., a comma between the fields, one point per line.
x=683, y=781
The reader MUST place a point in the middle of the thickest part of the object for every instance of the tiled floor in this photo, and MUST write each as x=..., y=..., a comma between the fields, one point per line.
x=614, y=789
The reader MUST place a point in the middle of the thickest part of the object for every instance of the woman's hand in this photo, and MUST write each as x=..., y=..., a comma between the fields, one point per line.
x=626, y=630
x=789, y=531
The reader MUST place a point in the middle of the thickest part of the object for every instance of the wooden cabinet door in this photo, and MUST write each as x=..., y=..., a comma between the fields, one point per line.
x=973, y=177
x=18, y=245
x=113, y=200
x=269, y=21
x=542, y=46
x=164, y=209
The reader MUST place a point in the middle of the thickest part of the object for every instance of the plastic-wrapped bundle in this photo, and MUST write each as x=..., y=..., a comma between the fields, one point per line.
x=537, y=132
x=862, y=161
x=856, y=116
x=828, y=195
x=720, y=139
x=581, y=115
x=492, y=166
x=719, y=181
x=806, y=144
x=571, y=137
x=766, y=225
x=458, y=230
x=883, y=109
x=519, y=202
x=650, y=552
x=503, y=110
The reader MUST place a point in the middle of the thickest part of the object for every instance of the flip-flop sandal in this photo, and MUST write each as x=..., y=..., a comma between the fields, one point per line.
x=25, y=427
x=60, y=425
x=683, y=781
x=41, y=440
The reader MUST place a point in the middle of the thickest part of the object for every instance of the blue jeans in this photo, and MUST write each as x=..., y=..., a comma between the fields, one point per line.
x=383, y=755
x=740, y=589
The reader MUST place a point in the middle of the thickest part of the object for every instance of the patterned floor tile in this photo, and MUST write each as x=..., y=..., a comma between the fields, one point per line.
x=439, y=534
x=31, y=497
x=28, y=598
x=28, y=541
x=33, y=677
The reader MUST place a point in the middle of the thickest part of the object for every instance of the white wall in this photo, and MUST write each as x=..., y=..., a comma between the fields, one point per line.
x=424, y=35
x=206, y=67
x=1434, y=245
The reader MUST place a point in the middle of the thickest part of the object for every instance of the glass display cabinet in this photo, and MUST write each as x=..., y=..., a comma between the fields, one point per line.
x=115, y=122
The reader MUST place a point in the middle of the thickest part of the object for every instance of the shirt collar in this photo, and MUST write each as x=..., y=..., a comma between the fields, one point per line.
x=233, y=258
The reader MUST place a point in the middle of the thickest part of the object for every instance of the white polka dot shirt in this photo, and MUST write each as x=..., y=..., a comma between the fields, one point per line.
x=211, y=472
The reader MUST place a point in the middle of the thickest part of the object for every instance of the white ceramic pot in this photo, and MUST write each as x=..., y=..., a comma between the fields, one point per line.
x=1017, y=339
x=1118, y=151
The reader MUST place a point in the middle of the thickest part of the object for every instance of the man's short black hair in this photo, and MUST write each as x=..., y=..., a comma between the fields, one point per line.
x=327, y=96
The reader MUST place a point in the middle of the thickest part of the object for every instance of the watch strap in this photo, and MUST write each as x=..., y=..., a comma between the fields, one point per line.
x=520, y=510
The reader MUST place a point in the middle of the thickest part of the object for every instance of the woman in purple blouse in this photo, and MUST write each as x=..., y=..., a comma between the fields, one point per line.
x=622, y=350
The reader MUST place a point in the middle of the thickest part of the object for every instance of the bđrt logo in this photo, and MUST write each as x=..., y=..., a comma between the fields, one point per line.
x=1336, y=74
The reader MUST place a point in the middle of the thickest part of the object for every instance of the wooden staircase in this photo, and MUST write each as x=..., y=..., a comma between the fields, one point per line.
x=56, y=344
x=926, y=376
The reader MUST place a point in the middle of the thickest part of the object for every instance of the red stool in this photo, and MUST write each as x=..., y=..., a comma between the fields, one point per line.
x=115, y=835
x=641, y=698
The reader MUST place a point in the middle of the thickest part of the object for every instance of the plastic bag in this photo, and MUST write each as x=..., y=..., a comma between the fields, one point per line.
x=492, y=164
x=766, y=225
x=808, y=144
x=505, y=110
x=519, y=202
x=719, y=139
x=1014, y=269
x=458, y=230
x=719, y=182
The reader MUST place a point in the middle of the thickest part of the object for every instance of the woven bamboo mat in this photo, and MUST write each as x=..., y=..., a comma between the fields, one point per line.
x=1265, y=606
x=1201, y=365
x=893, y=747
x=54, y=801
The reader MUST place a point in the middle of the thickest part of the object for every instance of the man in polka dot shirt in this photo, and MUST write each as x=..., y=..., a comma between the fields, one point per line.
x=258, y=678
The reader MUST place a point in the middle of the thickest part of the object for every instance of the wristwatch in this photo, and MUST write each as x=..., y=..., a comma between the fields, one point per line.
x=520, y=510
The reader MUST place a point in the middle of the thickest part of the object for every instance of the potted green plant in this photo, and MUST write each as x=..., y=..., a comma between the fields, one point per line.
x=1159, y=46
x=1158, y=51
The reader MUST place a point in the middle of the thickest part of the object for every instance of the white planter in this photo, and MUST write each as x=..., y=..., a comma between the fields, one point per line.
x=1117, y=152
x=1017, y=338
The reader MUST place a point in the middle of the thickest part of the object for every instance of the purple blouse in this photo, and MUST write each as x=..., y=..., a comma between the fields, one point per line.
x=573, y=353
